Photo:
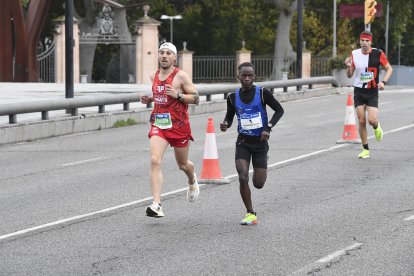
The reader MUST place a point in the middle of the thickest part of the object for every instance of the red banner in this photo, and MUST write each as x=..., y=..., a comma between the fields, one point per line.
x=356, y=10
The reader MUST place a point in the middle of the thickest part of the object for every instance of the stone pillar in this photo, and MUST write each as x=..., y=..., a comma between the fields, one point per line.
x=76, y=51
x=185, y=60
x=60, y=50
x=146, y=49
x=306, y=62
x=243, y=55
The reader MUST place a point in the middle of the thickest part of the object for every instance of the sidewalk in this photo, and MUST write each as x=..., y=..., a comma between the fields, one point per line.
x=28, y=92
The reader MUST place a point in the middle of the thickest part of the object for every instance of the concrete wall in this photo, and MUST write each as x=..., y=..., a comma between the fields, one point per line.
x=402, y=75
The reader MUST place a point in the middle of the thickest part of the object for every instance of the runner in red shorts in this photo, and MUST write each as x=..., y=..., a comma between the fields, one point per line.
x=172, y=91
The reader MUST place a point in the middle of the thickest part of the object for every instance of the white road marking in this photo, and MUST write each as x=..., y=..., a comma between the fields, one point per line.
x=310, y=99
x=71, y=219
x=81, y=162
x=316, y=115
x=297, y=158
x=339, y=253
x=323, y=262
x=409, y=218
x=226, y=133
x=62, y=221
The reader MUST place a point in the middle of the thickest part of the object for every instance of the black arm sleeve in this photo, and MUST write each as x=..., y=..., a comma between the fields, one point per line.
x=270, y=100
x=231, y=109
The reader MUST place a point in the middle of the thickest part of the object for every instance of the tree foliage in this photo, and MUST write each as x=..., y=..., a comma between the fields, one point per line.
x=218, y=27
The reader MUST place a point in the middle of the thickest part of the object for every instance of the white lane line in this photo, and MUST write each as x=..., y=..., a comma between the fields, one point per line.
x=62, y=221
x=409, y=218
x=324, y=262
x=225, y=133
x=24, y=231
x=316, y=115
x=297, y=158
x=339, y=253
x=81, y=162
x=309, y=99
x=384, y=103
x=399, y=129
x=71, y=219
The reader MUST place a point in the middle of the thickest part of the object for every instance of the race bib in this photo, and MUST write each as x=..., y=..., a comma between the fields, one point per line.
x=251, y=121
x=366, y=77
x=163, y=120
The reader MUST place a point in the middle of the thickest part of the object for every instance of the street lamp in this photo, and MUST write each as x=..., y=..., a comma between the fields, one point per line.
x=171, y=18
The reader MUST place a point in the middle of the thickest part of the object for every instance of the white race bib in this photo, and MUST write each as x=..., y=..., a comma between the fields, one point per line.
x=366, y=77
x=251, y=121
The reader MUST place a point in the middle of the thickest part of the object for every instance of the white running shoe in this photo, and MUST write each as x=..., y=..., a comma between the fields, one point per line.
x=193, y=190
x=154, y=210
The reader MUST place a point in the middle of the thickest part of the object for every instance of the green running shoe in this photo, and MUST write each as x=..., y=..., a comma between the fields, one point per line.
x=249, y=219
x=364, y=154
x=378, y=133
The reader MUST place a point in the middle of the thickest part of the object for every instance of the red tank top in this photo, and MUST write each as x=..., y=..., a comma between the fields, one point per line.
x=166, y=104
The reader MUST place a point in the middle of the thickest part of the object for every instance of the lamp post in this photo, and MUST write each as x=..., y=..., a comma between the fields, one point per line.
x=334, y=29
x=171, y=18
x=69, y=49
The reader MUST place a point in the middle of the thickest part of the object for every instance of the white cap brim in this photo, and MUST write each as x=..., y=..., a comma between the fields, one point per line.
x=169, y=46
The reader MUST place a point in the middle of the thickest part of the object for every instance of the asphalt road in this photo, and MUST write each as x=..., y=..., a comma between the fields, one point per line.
x=74, y=205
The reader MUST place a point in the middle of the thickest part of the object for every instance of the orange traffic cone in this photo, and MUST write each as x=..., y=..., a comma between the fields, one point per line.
x=210, y=172
x=350, y=133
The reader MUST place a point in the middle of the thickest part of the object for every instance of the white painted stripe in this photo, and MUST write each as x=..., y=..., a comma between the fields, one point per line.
x=316, y=115
x=81, y=162
x=62, y=221
x=225, y=133
x=297, y=158
x=399, y=129
x=106, y=210
x=324, y=262
x=339, y=253
x=310, y=99
x=409, y=218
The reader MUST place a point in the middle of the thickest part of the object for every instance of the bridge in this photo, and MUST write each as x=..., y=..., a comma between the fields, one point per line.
x=74, y=204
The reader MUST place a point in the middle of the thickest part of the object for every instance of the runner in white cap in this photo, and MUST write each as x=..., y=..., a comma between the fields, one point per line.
x=172, y=91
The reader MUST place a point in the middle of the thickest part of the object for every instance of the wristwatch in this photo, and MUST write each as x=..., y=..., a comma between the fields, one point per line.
x=269, y=127
x=384, y=82
x=179, y=96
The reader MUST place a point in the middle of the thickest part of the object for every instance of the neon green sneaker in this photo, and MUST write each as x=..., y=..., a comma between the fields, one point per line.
x=378, y=133
x=249, y=219
x=364, y=154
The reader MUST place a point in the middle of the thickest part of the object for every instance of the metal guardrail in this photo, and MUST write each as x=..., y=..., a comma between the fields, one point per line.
x=73, y=104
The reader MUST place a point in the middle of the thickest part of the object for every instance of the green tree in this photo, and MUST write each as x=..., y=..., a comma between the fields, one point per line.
x=219, y=27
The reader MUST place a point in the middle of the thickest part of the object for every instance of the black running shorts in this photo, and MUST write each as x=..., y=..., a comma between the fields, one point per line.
x=367, y=97
x=255, y=150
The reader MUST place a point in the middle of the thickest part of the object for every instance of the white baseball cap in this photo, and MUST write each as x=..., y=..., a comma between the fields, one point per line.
x=169, y=46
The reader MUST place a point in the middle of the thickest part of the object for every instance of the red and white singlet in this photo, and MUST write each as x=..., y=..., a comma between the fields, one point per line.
x=367, y=67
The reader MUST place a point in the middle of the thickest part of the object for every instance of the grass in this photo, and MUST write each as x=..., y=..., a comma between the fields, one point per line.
x=123, y=123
